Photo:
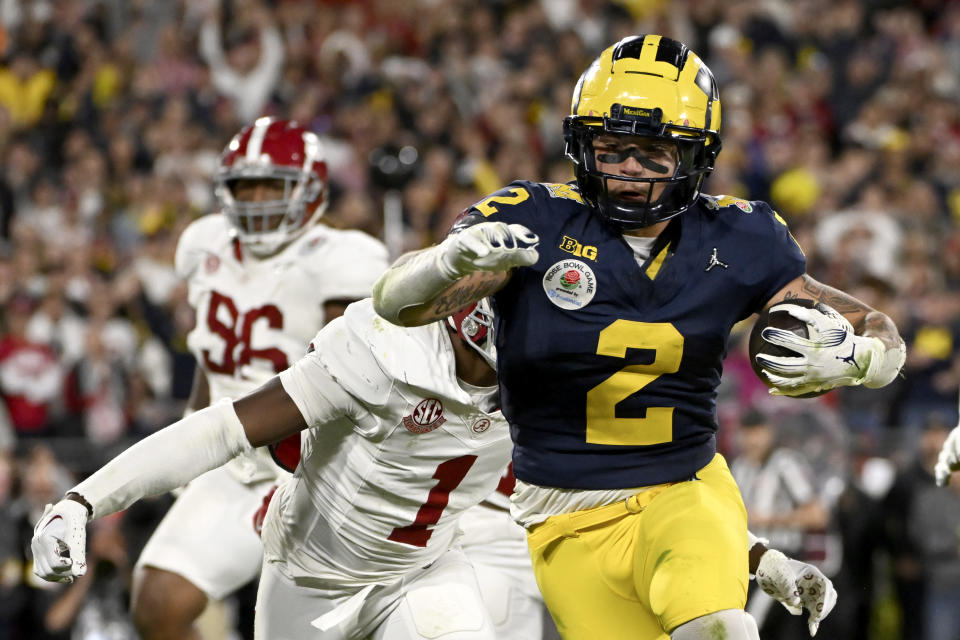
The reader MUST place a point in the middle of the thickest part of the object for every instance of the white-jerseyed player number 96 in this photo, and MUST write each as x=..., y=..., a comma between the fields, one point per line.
x=238, y=333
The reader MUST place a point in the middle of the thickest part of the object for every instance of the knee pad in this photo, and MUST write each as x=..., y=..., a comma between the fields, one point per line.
x=733, y=624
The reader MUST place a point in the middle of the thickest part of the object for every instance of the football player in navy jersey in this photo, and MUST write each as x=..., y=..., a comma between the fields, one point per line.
x=614, y=300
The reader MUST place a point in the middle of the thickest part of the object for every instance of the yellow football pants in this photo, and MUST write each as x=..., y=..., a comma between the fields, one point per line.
x=637, y=569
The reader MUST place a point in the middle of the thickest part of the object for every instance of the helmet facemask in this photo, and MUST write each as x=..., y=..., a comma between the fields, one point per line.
x=290, y=160
x=474, y=325
x=681, y=186
x=267, y=226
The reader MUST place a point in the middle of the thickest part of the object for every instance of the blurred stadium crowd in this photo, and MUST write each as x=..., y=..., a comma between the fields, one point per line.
x=844, y=114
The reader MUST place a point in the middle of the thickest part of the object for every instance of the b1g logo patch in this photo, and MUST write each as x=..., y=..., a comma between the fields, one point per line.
x=425, y=417
x=570, y=284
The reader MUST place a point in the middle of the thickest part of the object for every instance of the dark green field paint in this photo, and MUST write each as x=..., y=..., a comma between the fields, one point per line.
x=717, y=630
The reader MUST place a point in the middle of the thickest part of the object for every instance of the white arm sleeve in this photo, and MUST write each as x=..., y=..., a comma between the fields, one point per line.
x=167, y=459
x=414, y=282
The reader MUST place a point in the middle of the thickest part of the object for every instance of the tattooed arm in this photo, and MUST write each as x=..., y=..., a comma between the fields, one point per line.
x=861, y=347
x=430, y=284
x=866, y=321
x=462, y=292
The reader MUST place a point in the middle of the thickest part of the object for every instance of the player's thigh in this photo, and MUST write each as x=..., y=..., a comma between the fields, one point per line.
x=285, y=610
x=691, y=553
x=207, y=535
x=506, y=554
x=516, y=614
x=587, y=582
x=497, y=547
x=442, y=600
x=162, y=600
x=730, y=624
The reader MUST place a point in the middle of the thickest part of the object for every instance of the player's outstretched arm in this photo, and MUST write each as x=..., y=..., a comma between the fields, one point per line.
x=161, y=462
x=857, y=345
x=430, y=284
x=794, y=584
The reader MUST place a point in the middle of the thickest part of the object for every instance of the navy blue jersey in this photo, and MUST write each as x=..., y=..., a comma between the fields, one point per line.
x=608, y=369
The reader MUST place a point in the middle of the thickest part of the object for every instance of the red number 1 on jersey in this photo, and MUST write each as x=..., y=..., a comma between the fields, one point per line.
x=449, y=475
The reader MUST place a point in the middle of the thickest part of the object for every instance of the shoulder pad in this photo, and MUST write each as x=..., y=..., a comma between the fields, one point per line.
x=346, y=262
x=568, y=191
x=368, y=355
x=204, y=235
x=329, y=240
x=746, y=214
x=521, y=202
x=717, y=203
x=505, y=199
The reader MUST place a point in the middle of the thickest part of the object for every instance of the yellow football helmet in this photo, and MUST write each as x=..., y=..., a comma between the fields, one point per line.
x=652, y=86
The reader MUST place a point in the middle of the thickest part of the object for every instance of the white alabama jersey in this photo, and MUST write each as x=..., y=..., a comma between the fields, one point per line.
x=395, y=452
x=256, y=316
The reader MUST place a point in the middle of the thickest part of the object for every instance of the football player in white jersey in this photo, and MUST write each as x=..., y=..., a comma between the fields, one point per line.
x=402, y=436
x=264, y=274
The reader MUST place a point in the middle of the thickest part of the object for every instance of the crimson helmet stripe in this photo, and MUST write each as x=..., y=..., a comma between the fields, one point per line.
x=311, y=151
x=257, y=134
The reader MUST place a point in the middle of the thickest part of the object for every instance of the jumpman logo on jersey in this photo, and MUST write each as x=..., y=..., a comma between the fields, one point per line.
x=849, y=359
x=715, y=262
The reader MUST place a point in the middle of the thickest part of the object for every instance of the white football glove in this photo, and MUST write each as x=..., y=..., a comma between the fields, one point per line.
x=59, y=542
x=488, y=246
x=797, y=586
x=832, y=356
x=949, y=459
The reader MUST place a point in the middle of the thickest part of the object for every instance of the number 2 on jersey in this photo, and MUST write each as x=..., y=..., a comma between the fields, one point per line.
x=486, y=206
x=603, y=425
x=449, y=475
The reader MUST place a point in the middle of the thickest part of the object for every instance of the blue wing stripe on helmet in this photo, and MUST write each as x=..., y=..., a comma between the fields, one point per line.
x=628, y=48
x=672, y=52
x=706, y=82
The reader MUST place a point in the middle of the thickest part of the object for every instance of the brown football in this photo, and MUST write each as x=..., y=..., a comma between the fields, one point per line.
x=781, y=320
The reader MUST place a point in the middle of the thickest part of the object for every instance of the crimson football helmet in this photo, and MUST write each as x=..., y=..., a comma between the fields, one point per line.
x=274, y=150
x=474, y=325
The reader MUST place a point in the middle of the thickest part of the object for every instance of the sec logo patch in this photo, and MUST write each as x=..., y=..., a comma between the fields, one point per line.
x=570, y=284
x=425, y=417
